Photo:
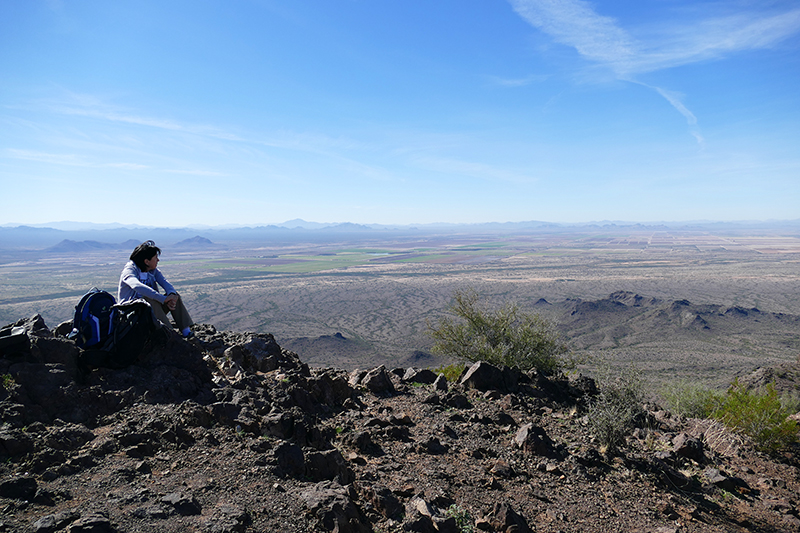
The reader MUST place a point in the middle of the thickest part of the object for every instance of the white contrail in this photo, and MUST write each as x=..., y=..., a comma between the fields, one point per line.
x=601, y=40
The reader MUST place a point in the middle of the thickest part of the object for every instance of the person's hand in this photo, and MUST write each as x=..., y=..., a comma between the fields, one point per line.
x=171, y=301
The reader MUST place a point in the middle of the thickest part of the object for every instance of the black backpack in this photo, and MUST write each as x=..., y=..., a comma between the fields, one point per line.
x=93, y=324
x=132, y=328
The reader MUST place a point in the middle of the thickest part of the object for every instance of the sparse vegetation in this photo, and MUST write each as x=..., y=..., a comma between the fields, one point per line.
x=689, y=399
x=614, y=411
x=7, y=381
x=760, y=414
x=451, y=372
x=504, y=336
x=464, y=520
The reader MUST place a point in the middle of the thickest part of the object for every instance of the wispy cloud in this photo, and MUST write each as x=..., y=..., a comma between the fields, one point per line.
x=575, y=23
x=106, y=113
x=471, y=169
x=693, y=41
x=71, y=160
x=675, y=100
x=95, y=108
x=518, y=82
x=603, y=41
x=196, y=172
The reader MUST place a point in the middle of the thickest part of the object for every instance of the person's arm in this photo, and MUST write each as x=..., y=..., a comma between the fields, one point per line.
x=131, y=279
x=166, y=285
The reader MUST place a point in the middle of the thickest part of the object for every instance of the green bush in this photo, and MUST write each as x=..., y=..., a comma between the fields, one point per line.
x=463, y=519
x=692, y=400
x=505, y=336
x=760, y=414
x=451, y=372
x=613, y=413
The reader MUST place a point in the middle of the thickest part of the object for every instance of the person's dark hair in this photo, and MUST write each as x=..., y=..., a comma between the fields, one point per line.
x=146, y=250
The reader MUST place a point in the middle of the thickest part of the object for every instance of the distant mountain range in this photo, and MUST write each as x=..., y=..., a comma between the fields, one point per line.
x=299, y=223
x=68, y=245
x=93, y=236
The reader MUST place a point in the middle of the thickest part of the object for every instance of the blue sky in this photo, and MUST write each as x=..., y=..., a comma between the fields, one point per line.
x=397, y=112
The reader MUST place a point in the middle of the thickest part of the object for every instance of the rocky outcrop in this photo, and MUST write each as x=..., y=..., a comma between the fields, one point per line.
x=227, y=432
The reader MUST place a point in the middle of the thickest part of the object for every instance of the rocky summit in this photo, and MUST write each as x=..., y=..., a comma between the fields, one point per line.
x=227, y=432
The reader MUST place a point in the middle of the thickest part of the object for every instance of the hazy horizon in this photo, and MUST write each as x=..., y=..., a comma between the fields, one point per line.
x=71, y=225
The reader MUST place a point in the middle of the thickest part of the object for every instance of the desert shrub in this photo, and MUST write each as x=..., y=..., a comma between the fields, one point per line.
x=464, y=520
x=689, y=399
x=504, y=336
x=451, y=372
x=761, y=414
x=614, y=412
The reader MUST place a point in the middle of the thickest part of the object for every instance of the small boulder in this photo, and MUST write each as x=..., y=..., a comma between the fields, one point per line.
x=718, y=478
x=55, y=522
x=432, y=446
x=290, y=459
x=419, y=517
x=377, y=381
x=385, y=502
x=504, y=519
x=328, y=465
x=332, y=505
x=483, y=376
x=441, y=383
x=19, y=488
x=412, y=375
x=183, y=503
x=92, y=523
x=689, y=447
x=533, y=439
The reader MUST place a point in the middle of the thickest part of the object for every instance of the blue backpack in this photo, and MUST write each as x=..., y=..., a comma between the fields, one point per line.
x=93, y=322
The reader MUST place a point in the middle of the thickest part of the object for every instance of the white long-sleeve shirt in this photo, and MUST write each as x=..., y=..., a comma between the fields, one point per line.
x=133, y=284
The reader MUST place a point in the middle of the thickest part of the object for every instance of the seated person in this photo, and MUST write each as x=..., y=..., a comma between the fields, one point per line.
x=140, y=280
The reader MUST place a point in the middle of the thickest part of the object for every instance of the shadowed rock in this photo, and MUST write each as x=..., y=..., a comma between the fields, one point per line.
x=332, y=505
x=412, y=375
x=533, y=439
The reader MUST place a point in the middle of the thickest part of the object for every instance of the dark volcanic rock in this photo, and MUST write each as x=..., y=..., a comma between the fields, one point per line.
x=328, y=465
x=689, y=447
x=227, y=432
x=484, y=377
x=183, y=503
x=534, y=440
x=332, y=505
x=413, y=375
x=55, y=522
x=92, y=523
x=18, y=488
x=378, y=381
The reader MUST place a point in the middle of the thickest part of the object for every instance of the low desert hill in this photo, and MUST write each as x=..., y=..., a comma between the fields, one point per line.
x=669, y=339
x=197, y=243
x=70, y=246
x=228, y=432
x=627, y=319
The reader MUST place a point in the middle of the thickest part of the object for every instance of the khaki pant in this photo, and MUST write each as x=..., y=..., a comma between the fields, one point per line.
x=180, y=314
